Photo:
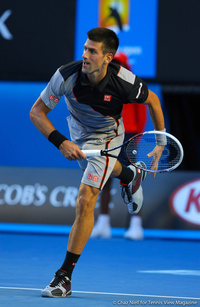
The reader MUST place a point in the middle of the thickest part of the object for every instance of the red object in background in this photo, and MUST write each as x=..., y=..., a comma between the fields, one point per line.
x=134, y=114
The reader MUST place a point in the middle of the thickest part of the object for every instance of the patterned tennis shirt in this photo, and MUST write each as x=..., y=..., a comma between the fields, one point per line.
x=97, y=109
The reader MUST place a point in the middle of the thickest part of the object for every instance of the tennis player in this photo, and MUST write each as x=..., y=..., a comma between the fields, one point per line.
x=95, y=91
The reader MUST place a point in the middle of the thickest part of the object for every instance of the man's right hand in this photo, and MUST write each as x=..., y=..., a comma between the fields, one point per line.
x=71, y=151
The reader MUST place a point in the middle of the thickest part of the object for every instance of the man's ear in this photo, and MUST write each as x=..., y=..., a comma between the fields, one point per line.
x=109, y=57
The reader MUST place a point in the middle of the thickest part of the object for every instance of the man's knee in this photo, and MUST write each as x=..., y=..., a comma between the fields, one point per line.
x=86, y=200
x=83, y=205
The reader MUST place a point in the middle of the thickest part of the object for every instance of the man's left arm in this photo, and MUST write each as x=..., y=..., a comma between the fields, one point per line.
x=157, y=118
x=155, y=111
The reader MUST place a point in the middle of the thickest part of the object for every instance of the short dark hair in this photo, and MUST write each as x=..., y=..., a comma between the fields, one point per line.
x=107, y=37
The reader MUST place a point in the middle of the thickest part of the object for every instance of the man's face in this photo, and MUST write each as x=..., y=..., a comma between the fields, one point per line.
x=93, y=58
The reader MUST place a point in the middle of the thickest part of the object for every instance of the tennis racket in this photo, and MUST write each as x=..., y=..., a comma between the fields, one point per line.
x=160, y=151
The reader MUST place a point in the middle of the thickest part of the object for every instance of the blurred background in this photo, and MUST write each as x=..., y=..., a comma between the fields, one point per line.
x=161, y=39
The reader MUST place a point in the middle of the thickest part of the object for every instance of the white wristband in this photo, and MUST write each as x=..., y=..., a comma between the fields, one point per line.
x=161, y=139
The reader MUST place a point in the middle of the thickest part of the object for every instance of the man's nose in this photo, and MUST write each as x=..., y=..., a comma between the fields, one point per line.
x=84, y=55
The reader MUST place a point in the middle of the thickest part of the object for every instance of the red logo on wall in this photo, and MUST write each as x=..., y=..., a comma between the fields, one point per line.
x=185, y=202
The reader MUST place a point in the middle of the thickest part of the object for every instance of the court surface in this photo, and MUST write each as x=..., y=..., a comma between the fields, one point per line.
x=110, y=272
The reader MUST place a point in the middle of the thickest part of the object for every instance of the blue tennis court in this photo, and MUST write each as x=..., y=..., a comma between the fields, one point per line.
x=109, y=272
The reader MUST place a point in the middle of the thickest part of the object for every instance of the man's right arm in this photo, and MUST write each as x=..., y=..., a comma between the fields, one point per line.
x=39, y=118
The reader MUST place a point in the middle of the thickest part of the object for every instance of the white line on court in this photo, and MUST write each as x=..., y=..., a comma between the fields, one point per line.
x=174, y=272
x=107, y=293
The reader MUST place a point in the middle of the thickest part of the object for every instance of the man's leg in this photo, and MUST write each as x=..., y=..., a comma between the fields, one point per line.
x=81, y=230
x=84, y=222
x=130, y=180
x=102, y=227
x=117, y=169
x=105, y=197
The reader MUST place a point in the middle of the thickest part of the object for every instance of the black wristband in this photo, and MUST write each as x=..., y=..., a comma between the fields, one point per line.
x=56, y=138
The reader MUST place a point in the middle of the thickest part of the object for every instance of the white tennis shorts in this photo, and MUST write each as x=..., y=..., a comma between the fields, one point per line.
x=97, y=170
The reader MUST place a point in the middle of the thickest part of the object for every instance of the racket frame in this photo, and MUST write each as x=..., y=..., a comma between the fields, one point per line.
x=106, y=152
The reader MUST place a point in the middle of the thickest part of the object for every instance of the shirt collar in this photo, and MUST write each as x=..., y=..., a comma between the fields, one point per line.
x=101, y=85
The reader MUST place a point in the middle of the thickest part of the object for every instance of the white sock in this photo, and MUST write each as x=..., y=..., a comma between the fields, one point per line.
x=103, y=219
x=136, y=221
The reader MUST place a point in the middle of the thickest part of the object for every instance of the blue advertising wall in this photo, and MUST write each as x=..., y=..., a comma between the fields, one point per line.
x=21, y=143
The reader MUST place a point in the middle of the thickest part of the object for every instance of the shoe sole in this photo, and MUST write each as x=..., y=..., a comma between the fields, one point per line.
x=49, y=294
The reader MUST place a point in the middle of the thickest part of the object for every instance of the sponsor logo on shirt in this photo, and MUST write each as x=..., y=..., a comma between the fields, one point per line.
x=54, y=99
x=107, y=98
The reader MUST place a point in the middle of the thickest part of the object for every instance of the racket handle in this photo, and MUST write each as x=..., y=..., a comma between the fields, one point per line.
x=92, y=153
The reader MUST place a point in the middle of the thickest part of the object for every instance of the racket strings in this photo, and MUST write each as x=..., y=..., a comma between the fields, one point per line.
x=138, y=148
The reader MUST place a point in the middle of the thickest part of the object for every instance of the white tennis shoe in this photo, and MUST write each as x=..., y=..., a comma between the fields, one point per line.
x=60, y=286
x=102, y=228
x=135, y=230
x=132, y=193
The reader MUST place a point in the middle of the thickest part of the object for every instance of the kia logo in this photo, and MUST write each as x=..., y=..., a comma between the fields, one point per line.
x=3, y=28
x=185, y=202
